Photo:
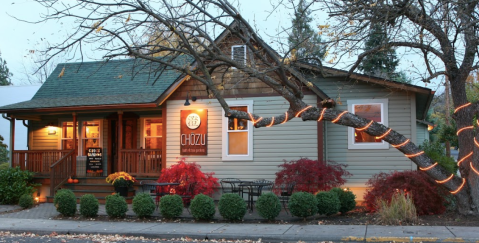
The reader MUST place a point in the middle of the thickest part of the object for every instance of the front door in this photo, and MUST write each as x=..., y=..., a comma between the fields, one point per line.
x=129, y=139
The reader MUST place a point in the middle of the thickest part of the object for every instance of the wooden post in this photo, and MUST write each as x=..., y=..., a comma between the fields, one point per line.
x=75, y=145
x=320, y=135
x=163, y=139
x=120, y=139
x=12, y=139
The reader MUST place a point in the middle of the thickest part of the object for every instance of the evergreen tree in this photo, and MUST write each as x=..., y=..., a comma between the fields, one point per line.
x=305, y=43
x=3, y=151
x=4, y=72
x=382, y=63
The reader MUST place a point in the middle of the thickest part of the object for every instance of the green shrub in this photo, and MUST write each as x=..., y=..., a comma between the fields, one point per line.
x=4, y=166
x=14, y=183
x=231, y=206
x=143, y=205
x=437, y=153
x=202, y=207
x=26, y=201
x=347, y=199
x=268, y=206
x=116, y=206
x=328, y=203
x=65, y=202
x=399, y=211
x=89, y=205
x=171, y=206
x=303, y=204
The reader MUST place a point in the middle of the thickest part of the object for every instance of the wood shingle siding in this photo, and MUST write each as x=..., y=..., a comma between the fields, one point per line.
x=289, y=141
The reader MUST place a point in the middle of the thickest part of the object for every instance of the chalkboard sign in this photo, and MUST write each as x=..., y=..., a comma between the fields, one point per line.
x=94, y=160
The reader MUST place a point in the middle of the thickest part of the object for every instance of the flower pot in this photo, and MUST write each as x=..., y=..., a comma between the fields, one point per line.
x=122, y=190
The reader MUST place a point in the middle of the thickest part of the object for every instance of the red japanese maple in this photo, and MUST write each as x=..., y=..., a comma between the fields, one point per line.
x=312, y=175
x=186, y=173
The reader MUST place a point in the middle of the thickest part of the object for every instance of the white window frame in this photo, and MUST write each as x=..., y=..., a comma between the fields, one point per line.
x=142, y=129
x=225, y=155
x=80, y=133
x=384, y=118
x=232, y=53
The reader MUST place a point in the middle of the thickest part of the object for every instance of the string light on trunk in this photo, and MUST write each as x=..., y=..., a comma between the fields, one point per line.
x=462, y=106
x=401, y=144
x=414, y=155
x=285, y=118
x=464, y=128
x=272, y=122
x=474, y=169
x=429, y=167
x=303, y=110
x=385, y=134
x=445, y=180
x=322, y=114
x=365, y=127
x=460, y=187
x=464, y=158
x=339, y=117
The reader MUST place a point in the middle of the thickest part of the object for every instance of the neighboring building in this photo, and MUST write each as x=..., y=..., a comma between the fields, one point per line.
x=156, y=127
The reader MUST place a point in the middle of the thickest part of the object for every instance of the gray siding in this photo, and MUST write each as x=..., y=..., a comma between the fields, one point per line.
x=363, y=163
x=40, y=140
x=422, y=133
x=289, y=141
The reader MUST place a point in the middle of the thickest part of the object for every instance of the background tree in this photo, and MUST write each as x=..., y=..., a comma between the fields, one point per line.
x=4, y=72
x=120, y=31
x=304, y=42
x=3, y=151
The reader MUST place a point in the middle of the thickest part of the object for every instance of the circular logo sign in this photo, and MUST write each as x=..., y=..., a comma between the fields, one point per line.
x=193, y=121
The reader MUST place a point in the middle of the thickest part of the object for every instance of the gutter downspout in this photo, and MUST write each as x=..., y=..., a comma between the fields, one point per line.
x=28, y=133
x=12, y=128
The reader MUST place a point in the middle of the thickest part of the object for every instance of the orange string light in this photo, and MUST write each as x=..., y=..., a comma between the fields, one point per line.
x=303, y=110
x=475, y=142
x=253, y=120
x=465, y=157
x=464, y=128
x=460, y=187
x=365, y=127
x=272, y=122
x=339, y=117
x=414, y=155
x=259, y=119
x=385, y=134
x=446, y=180
x=474, y=169
x=322, y=114
x=429, y=167
x=402, y=144
x=286, y=118
x=462, y=106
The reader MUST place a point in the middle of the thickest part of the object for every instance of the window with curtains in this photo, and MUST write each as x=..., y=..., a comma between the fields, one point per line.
x=89, y=137
x=238, y=134
x=153, y=133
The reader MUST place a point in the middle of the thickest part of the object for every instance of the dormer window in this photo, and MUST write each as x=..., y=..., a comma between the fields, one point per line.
x=238, y=54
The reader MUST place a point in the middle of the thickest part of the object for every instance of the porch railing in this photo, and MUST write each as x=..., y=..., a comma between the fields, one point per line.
x=60, y=171
x=141, y=162
x=38, y=161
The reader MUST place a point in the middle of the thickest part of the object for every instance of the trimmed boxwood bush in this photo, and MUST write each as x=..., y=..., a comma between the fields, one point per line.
x=26, y=201
x=116, y=206
x=202, y=207
x=15, y=182
x=303, y=204
x=347, y=199
x=65, y=202
x=268, y=206
x=89, y=205
x=171, y=206
x=328, y=203
x=143, y=205
x=232, y=206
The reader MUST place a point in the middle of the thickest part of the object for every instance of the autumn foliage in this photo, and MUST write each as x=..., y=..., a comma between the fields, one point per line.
x=312, y=175
x=428, y=196
x=186, y=173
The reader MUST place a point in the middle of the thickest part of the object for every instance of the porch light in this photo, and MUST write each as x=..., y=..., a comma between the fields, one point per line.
x=52, y=129
x=187, y=102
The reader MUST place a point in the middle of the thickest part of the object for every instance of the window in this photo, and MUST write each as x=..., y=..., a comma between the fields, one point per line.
x=238, y=134
x=153, y=133
x=238, y=54
x=373, y=109
x=88, y=138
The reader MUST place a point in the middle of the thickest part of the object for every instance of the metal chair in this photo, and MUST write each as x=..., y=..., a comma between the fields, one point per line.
x=149, y=187
x=285, y=191
x=188, y=196
x=229, y=185
x=259, y=189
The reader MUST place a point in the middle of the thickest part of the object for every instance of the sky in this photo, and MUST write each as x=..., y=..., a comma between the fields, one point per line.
x=19, y=38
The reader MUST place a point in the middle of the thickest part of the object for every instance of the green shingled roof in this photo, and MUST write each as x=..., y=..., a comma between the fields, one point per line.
x=128, y=81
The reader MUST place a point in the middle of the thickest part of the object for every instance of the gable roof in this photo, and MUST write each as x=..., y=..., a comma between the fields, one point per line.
x=114, y=82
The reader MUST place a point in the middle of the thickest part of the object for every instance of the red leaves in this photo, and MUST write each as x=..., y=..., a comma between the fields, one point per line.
x=187, y=173
x=312, y=175
x=428, y=197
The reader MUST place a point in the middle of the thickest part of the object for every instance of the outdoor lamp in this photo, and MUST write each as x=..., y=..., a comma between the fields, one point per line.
x=52, y=129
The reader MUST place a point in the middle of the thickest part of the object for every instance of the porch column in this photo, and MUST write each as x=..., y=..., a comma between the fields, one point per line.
x=75, y=145
x=12, y=140
x=120, y=139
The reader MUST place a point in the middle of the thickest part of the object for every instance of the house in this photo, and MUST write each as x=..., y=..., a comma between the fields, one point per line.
x=129, y=119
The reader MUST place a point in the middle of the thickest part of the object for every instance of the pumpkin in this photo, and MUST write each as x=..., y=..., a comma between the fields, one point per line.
x=75, y=181
x=70, y=180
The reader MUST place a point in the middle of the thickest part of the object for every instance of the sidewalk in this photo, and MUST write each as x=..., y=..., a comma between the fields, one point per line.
x=39, y=220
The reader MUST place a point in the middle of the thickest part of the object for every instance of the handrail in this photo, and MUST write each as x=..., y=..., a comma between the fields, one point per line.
x=60, y=171
x=141, y=161
x=37, y=161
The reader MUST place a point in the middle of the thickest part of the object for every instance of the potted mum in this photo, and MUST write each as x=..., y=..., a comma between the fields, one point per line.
x=122, y=181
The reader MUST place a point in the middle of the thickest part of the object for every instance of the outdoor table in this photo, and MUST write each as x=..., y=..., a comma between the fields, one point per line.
x=233, y=185
x=157, y=188
x=251, y=186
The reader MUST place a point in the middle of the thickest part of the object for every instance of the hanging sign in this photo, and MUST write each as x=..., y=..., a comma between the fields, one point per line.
x=193, y=132
x=94, y=160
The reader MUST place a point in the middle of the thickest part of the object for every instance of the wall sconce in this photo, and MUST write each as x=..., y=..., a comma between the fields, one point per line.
x=52, y=129
x=187, y=102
